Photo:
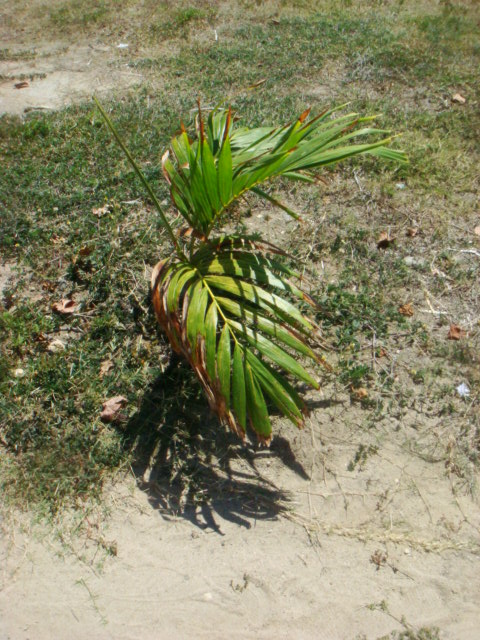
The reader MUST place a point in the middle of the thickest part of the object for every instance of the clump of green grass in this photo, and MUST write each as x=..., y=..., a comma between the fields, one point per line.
x=78, y=13
x=26, y=54
x=177, y=23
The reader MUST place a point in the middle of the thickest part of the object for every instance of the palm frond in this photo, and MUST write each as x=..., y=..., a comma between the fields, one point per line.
x=228, y=312
x=206, y=175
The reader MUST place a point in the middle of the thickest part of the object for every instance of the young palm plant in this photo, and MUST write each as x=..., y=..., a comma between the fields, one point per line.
x=228, y=303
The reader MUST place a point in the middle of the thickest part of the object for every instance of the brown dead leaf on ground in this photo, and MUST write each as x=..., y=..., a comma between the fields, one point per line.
x=455, y=332
x=65, y=307
x=406, y=310
x=360, y=394
x=384, y=240
x=105, y=367
x=111, y=408
x=21, y=85
x=49, y=286
x=412, y=232
x=458, y=98
x=257, y=84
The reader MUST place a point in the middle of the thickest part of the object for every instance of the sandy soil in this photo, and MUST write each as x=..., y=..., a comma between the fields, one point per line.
x=295, y=543
x=60, y=74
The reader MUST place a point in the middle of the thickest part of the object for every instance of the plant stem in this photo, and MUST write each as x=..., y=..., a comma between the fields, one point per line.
x=144, y=181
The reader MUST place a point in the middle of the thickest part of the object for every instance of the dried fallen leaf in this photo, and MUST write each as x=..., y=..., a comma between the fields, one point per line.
x=458, y=98
x=101, y=211
x=382, y=352
x=111, y=408
x=412, y=232
x=379, y=558
x=65, y=307
x=21, y=85
x=275, y=22
x=105, y=368
x=49, y=286
x=455, y=332
x=476, y=231
x=385, y=240
x=406, y=309
x=360, y=394
x=257, y=84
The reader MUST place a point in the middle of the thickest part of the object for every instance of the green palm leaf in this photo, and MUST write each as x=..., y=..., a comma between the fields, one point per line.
x=209, y=173
x=240, y=337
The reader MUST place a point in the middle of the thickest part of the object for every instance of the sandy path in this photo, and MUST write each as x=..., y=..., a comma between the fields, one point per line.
x=356, y=553
x=61, y=73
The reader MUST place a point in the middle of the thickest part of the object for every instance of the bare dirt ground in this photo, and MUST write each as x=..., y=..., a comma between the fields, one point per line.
x=59, y=74
x=316, y=552
x=335, y=533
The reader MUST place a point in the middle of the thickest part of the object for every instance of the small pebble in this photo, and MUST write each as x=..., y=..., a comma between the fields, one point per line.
x=55, y=346
x=410, y=261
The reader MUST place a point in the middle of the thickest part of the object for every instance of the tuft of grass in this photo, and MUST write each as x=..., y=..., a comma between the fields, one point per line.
x=72, y=14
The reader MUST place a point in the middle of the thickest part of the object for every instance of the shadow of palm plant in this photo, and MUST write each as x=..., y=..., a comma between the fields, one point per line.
x=190, y=468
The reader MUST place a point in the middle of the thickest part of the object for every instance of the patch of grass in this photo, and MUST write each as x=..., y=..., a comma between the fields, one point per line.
x=179, y=21
x=25, y=54
x=424, y=633
x=78, y=13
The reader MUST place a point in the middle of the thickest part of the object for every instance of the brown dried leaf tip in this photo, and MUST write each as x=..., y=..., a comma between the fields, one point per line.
x=111, y=408
x=360, y=394
x=406, y=310
x=456, y=333
x=65, y=307
x=385, y=240
x=458, y=98
x=105, y=368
